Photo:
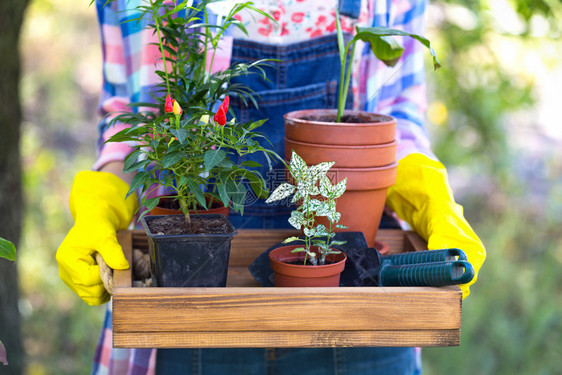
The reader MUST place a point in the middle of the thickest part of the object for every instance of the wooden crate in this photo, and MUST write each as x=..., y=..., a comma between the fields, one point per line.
x=246, y=315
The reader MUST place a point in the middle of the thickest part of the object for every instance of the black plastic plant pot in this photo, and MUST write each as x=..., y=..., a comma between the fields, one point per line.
x=189, y=260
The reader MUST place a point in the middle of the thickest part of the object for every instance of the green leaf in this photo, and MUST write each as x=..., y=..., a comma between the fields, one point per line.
x=137, y=166
x=256, y=124
x=257, y=183
x=388, y=50
x=339, y=189
x=124, y=135
x=223, y=194
x=171, y=158
x=297, y=167
x=325, y=186
x=196, y=190
x=7, y=250
x=250, y=164
x=296, y=219
x=299, y=250
x=151, y=203
x=321, y=230
x=181, y=134
x=340, y=38
x=238, y=196
x=282, y=191
x=138, y=181
x=291, y=239
x=309, y=232
x=334, y=217
x=144, y=104
x=324, y=209
x=213, y=158
x=131, y=159
x=226, y=164
x=337, y=243
x=318, y=171
x=314, y=205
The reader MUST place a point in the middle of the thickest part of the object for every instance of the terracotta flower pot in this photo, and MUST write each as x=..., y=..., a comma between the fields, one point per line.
x=374, y=128
x=362, y=156
x=315, y=136
x=216, y=208
x=298, y=275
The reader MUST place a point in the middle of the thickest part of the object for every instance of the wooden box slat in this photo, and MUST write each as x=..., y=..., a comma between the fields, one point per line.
x=246, y=315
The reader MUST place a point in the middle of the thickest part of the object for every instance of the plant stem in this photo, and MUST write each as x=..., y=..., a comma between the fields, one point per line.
x=156, y=22
x=207, y=32
x=345, y=84
x=185, y=209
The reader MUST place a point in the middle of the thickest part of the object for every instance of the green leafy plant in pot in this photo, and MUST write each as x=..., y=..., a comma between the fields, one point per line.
x=312, y=261
x=182, y=143
x=361, y=143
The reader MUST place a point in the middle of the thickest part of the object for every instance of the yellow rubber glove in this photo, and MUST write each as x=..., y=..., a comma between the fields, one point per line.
x=422, y=197
x=98, y=206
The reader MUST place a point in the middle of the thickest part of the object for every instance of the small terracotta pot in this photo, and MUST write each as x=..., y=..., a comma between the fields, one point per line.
x=363, y=156
x=219, y=209
x=376, y=130
x=382, y=247
x=297, y=275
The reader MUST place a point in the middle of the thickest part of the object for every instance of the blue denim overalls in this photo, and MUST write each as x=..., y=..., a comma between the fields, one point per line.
x=305, y=78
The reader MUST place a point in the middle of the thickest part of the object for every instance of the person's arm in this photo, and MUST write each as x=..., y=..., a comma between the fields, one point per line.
x=421, y=195
x=398, y=91
x=97, y=198
x=116, y=168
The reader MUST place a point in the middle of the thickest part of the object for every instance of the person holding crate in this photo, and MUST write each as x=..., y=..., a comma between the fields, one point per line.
x=304, y=40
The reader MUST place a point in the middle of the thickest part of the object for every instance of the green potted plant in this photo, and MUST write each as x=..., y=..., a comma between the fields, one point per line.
x=312, y=261
x=361, y=143
x=181, y=142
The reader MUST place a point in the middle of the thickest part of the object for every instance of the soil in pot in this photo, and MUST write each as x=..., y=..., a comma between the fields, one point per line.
x=170, y=225
x=351, y=118
x=320, y=127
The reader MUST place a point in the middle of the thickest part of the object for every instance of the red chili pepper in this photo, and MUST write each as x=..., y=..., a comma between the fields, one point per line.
x=220, y=116
x=168, y=106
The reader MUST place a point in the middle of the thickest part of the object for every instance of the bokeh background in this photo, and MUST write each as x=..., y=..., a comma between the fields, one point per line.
x=494, y=122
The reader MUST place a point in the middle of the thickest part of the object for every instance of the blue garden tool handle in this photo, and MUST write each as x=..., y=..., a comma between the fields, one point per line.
x=428, y=256
x=426, y=274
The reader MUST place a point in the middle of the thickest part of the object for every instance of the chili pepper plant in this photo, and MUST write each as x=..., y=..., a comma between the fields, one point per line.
x=181, y=141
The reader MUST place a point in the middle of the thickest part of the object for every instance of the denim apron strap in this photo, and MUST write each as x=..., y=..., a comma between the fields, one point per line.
x=349, y=8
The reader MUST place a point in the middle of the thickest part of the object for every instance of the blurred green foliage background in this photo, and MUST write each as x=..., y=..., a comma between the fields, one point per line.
x=493, y=121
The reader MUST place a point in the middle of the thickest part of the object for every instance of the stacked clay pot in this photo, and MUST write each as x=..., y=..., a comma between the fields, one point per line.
x=364, y=152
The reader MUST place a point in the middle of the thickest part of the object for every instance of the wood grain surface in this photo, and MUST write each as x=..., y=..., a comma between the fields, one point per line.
x=246, y=315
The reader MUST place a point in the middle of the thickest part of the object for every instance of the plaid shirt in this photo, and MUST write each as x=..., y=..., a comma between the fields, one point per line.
x=129, y=61
x=130, y=58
